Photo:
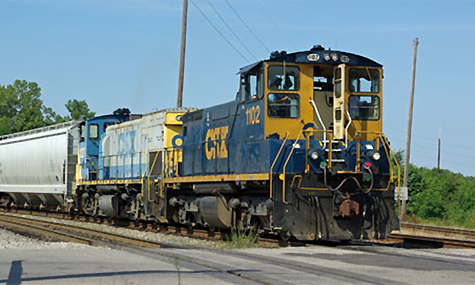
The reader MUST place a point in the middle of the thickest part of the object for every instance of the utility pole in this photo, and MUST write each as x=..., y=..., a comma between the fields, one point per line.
x=438, y=152
x=409, y=127
x=181, y=74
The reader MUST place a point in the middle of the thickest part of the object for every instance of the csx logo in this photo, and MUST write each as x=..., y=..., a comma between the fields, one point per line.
x=215, y=144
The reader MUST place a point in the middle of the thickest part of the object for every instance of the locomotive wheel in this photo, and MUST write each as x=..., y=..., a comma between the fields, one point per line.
x=87, y=204
x=285, y=236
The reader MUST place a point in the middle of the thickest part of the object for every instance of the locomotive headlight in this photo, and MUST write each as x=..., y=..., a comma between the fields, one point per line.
x=314, y=155
x=376, y=156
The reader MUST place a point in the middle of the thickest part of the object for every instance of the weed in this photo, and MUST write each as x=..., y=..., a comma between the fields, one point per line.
x=242, y=238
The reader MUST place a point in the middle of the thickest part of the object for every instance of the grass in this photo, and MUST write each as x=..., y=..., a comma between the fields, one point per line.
x=242, y=238
x=177, y=267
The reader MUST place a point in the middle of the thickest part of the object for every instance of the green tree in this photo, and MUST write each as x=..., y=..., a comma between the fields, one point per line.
x=78, y=110
x=21, y=108
x=50, y=116
x=8, y=110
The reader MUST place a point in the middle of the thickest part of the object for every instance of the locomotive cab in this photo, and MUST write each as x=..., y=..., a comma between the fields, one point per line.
x=342, y=99
x=91, y=132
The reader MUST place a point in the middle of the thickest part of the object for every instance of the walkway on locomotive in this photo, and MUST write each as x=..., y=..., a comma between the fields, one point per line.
x=310, y=111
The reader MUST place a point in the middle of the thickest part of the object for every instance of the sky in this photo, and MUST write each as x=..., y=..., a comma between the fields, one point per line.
x=125, y=53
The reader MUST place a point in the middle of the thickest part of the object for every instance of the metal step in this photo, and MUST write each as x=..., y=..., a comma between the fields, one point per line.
x=327, y=141
x=337, y=160
x=334, y=149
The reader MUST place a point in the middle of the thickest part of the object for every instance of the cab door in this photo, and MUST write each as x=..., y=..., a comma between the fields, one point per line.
x=339, y=102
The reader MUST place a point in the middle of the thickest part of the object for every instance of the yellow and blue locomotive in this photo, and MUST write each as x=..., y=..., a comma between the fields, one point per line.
x=300, y=152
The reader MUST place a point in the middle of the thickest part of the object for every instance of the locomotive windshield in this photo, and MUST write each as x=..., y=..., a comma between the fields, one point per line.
x=364, y=80
x=364, y=107
x=283, y=78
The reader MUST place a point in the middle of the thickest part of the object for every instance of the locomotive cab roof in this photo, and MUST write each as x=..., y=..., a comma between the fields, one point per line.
x=317, y=54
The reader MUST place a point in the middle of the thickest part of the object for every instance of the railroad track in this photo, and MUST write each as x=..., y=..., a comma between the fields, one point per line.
x=51, y=230
x=433, y=241
x=417, y=234
x=446, y=232
x=435, y=236
x=176, y=230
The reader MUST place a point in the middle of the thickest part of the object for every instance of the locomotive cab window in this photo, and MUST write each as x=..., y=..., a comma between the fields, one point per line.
x=283, y=105
x=364, y=108
x=82, y=132
x=337, y=82
x=364, y=80
x=93, y=132
x=283, y=78
x=255, y=87
x=252, y=87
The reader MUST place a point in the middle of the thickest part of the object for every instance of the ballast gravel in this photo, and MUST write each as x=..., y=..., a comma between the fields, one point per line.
x=146, y=235
x=10, y=240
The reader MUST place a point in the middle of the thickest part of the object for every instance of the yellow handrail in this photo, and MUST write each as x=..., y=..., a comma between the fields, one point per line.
x=292, y=150
x=148, y=177
x=395, y=161
x=275, y=160
x=386, y=146
x=285, y=165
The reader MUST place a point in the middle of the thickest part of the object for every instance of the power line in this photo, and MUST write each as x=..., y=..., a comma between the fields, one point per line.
x=274, y=22
x=248, y=28
x=425, y=138
x=232, y=31
x=218, y=31
x=431, y=149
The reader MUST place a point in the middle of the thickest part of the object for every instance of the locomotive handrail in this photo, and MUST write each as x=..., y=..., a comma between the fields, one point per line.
x=386, y=144
x=123, y=156
x=321, y=121
x=330, y=136
x=347, y=126
x=148, y=177
x=275, y=160
x=285, y=166
x=171, y=163
x=292, y=150
x=388, y=150
x=171, y=157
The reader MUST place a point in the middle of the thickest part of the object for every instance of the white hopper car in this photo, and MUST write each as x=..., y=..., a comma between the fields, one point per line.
x=38, y=167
